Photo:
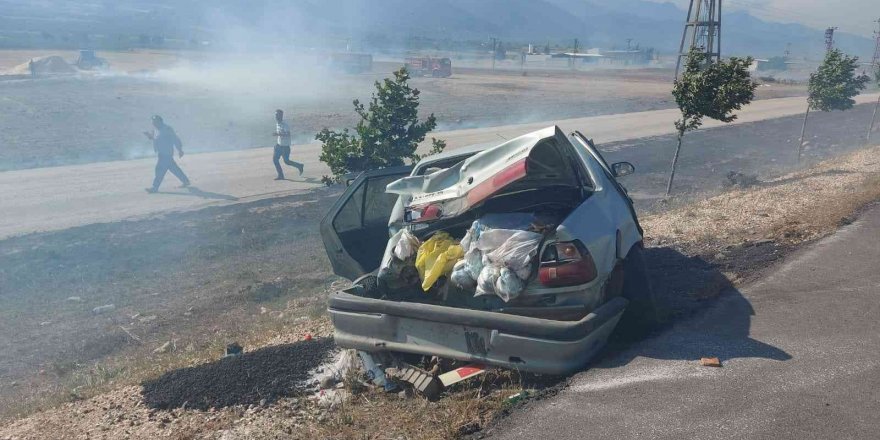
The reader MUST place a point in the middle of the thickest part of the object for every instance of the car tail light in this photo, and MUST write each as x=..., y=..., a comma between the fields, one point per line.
x=424, y=213
x=566, y=264
x=505, y=177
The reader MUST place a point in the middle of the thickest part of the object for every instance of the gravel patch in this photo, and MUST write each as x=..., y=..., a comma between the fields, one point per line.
x=254, y=378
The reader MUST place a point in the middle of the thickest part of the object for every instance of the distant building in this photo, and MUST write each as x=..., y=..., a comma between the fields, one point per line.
x=627, y=57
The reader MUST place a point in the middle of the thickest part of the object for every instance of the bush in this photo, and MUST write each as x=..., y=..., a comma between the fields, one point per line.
x=388, y=133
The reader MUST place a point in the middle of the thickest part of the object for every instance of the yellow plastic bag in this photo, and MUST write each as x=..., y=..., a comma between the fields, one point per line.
x=436, y=257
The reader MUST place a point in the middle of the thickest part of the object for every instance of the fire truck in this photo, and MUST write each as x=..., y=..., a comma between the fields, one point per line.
x=428, y=66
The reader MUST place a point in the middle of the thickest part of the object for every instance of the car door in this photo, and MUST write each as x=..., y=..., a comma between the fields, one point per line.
x=355, y=229
x=606, y=222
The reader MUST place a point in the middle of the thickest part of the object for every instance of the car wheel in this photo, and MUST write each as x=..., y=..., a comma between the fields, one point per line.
x=641, y=315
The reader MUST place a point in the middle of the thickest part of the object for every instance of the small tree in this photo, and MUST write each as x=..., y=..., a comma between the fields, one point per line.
x=832, y=87
x=713, y=90
x=874, y=115
x=388, y=133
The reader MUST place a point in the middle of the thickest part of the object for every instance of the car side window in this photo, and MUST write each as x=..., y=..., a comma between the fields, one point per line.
x=369, y=205
x=349, y=216
x=378, y=204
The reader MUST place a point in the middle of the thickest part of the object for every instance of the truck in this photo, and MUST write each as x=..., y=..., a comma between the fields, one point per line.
x=349, y=62
x=87, y=60
x=428, y=66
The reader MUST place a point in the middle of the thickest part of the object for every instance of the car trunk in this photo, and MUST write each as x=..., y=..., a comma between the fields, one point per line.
x=532, y=177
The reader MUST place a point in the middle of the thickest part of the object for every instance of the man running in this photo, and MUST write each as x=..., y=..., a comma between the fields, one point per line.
x=165, y=140
x=282, y=146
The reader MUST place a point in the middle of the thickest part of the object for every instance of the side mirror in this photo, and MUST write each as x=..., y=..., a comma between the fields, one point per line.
x=621, y=169
x=351, y=177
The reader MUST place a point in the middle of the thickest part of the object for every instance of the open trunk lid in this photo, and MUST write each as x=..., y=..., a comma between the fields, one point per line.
x=530, y=162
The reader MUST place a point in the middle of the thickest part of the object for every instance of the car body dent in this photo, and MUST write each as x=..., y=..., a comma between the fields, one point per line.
x=449, y=187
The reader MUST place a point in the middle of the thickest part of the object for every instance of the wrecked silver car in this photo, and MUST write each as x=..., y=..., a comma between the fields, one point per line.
x=523, y=255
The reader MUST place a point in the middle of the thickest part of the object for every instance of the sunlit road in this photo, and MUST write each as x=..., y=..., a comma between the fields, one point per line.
x=800, y=358
x=56, y=198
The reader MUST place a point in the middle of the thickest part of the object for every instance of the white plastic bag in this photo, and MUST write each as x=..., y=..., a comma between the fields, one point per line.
x=407, y=245
x=517, y=252
x=395, y=272
x=474, y=262
x=494, y=238
x=509, y=285
x=472, y=235
x=461, y=276
x=486, y=282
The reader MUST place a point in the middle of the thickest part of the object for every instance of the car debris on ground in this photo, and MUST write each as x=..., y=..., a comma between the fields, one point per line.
x=710, y=362
x=427, y=378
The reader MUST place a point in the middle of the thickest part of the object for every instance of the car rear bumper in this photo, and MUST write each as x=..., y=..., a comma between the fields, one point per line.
x=517, y=342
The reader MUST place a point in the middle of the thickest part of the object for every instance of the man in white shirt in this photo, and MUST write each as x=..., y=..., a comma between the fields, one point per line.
x=282, y=146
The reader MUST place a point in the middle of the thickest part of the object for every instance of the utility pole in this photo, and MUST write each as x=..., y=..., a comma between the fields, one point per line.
x=494, y=51
x=876, y=60
x=829, y=38
x=702, y=31
x=574, y=58
x=875, y=65
x=787, y=51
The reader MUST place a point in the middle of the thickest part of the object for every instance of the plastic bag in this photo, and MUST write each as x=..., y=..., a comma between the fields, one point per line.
x=474, y=261
x=493, y=239
x=397, y=273
x=436, y=257
x=486, y=282
x=524, y=273
x=407, y=245
x=461, y=276
x=517, y=252
x=509, y=285
x=471, y=237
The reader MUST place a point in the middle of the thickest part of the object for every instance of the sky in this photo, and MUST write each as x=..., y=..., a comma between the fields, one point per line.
x=851, y=16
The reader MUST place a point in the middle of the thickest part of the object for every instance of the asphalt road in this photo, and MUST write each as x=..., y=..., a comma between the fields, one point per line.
x=800, y=358
x=47, y=199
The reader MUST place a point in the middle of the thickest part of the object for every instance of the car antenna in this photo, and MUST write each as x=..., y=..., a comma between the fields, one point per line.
x=502, y=137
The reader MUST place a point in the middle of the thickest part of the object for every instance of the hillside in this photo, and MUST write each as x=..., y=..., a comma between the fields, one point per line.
x=597, y=23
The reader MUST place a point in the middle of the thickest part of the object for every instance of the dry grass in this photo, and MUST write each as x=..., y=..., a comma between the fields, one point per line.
x=791, y=209
x=464, y=410
x=77, y=382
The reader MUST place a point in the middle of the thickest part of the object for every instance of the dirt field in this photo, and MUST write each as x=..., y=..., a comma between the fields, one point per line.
x=228, y=103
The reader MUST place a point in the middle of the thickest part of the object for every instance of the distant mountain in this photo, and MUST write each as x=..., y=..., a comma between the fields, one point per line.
x=596, y=23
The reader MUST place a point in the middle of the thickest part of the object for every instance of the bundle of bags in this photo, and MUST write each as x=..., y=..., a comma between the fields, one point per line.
x=489, y=260
x=496, y=261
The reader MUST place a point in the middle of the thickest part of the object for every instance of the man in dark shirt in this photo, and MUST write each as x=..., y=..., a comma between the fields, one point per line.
x=165, y=140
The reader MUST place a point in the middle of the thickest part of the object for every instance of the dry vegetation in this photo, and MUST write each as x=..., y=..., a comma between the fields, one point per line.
x=792, y=209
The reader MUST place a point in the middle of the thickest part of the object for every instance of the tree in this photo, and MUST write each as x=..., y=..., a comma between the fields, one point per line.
x=388, y=133
x=713, y=90
x=874, y=115
x=832, y=87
